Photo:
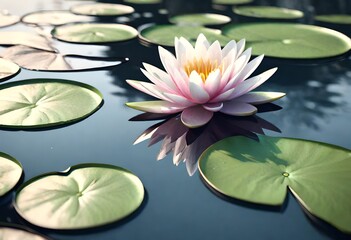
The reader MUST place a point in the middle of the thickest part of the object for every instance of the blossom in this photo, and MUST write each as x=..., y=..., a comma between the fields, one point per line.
x=202, y=80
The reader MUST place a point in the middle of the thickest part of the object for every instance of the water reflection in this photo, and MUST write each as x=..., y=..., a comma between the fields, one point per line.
x=188, y=144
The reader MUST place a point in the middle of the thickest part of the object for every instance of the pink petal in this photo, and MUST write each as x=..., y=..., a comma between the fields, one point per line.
x=213, y=107
x=197, y=116
x=156, y=106
x=260, y=97
x=240, y=46
x=252, y=83
x=166, y=56
x=236, y=108
x=147, y=88
x=229, y=47
x=158, y=77
x=196, y=86
x=213, y=82
x=223, y=96
x=180, y=100
x=201, y=47
x=184, y=51
x=249, y=69
x=214, y=53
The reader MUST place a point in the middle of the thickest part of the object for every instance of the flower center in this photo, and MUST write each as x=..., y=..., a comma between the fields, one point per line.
x=203, y=68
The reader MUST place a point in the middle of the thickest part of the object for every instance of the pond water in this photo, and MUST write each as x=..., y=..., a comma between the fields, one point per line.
x=177, y=206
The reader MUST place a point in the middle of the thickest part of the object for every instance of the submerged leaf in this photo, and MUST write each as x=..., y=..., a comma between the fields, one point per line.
x=46, y=102
x=318, y=174
x=35, y=59
x=102, y=9
x=87, y=195
x=7, y=69
x=268, y=12
x=25, y=38
x=334, y=18
x=165, y=34
x=94, y=33
x=288, y=40
x=10, y=173
x=53, y=17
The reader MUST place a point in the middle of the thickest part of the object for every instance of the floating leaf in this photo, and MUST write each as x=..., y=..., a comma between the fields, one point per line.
x=8, y=232
x=25, y=38
x=102, y=9
x=94, y=33
x=10, y=173
x=7, y=20
x=318, y=174
x=288, y=40
x=35, y=59
x=232, y=2
x=7, y=69
x=87, y=195
x=335, y=18
x=268, y=12
x=143, y=1
x=46, y=102
x=200, y=19
x=53, y=17
x=165, y=34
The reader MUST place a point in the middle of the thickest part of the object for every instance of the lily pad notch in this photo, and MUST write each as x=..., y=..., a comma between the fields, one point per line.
x=317, y=174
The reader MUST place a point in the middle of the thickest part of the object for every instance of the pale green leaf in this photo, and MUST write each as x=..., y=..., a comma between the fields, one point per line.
x=268, y=12
x=7, y=68
x=102, y=9
x=10, y=173
x=200, y=19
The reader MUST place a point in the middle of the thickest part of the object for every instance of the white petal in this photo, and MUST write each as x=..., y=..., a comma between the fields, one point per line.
x=168, y=60
x=214, y=53
x=240, y=47
x=156, y=106
x=184, y=51
x=249, y=69
x=252, y=83
x=223, y=96
x=201, y=47
x=213, y=82
x=179, y=79
x=178, y=99
x=228, y=48
x=213, y=107
x=147, y=88
x=197, y=116
x=237, y=108
x=196, y=87
x=260, y=97
x=158, y=77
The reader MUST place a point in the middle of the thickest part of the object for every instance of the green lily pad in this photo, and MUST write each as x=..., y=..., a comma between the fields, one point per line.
x=165, y=34
x=9, y=232
x=143, y=1
x=268, y=12
x=8, y=69
x=53, y=17
x=10, y=173
x=318, y=174
x=41, y=60
x=87, y=195
x=94, y=33
x=7, y=20
x=102, y=9
x=39, y=103
x=25, y=38
x=200, y=19
x=288, y=40
x=335, y=18
x=232, y=2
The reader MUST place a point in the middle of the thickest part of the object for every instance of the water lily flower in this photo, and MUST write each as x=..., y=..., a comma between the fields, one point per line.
x=202, y=80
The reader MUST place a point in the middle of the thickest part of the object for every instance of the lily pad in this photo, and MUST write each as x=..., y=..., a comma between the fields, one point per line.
x=232, y=2
x=87, y=195
x=200, y=19
x=39, y=103
x=25, y=38
x=165, y=34
x=8, y=232
x=318, y=174
x=36, y=59
x=94, y=33
x=10, y=173
x=102, y=9
x=288, y=40
x=143, y=1
x=7, y=69
x=53, y=17
x=334, y=18
x=7, y=20
x=268, y=12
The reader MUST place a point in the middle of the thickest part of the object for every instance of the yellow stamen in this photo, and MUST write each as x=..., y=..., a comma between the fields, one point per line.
x=203, y=68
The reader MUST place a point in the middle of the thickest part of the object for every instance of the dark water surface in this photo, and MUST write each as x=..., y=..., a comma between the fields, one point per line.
x=317, y=107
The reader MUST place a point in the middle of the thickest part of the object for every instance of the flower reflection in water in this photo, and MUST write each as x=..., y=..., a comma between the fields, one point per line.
x=187, y=144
